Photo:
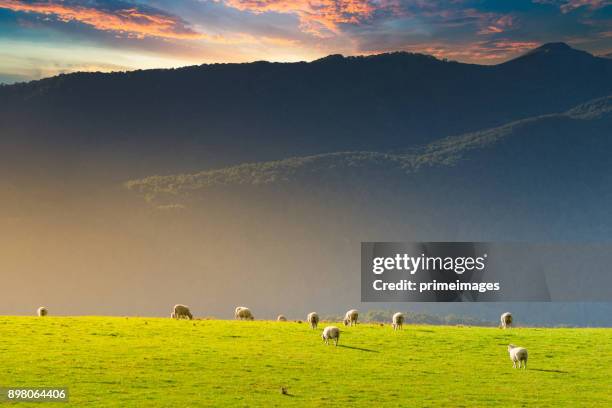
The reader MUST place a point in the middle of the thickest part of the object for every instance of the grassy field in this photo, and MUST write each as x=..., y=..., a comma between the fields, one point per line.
x=148, y=362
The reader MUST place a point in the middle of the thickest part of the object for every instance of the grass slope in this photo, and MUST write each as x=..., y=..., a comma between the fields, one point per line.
x=146, y=362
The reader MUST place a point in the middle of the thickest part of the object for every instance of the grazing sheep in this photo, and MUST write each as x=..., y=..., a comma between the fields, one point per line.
x=518, y=355
x=506, y=320
x=42, y=311
x=398, y=321
x=243, y=313
x=331, y=333
x=313, y=319
x=281, y=318
x=350, y=318
x=181, y=312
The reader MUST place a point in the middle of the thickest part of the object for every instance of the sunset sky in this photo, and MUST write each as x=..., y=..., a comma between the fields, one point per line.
x=40, y=38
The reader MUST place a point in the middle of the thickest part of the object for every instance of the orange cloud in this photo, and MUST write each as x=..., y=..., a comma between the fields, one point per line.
x=488, y=52
x=128, y=20
x=317, y=17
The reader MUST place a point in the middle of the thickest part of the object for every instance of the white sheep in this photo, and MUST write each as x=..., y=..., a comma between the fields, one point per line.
x=518, y=355
x=350, y=318
x=313, y=319
x=506, y=320
x=398, y=321
x=181, y=312
x=281, y=318
x=243, y=313
x=42, y=311
x=331, y=333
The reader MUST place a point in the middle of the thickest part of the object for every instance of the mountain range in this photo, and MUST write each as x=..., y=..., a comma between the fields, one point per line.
x=160, y=121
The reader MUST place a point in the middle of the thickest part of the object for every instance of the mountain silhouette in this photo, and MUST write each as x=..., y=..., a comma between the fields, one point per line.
x=220, y=114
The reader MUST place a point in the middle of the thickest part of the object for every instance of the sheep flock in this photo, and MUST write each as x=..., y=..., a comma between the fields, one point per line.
x=518, y=355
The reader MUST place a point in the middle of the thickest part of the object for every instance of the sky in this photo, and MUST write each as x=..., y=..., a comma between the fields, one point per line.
x=41, y=38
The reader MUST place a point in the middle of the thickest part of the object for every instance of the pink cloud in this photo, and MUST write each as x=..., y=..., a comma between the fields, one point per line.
x=497, y=25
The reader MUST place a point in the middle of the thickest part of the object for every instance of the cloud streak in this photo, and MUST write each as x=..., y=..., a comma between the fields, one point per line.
x=498, y=25
x=567, y=6
x=118, y=17
x=571, y=5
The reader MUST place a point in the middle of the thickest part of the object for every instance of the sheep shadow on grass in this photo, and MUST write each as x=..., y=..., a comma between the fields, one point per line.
x=549, y=371
x=358, y=348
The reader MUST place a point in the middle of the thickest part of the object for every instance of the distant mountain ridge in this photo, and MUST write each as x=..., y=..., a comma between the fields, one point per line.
x=216, y=115
x=446, y=152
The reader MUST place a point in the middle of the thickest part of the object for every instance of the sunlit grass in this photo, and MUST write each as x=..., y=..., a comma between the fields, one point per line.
x=141, y=362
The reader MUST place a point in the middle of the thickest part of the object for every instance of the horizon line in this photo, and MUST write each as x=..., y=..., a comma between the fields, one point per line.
x=327, y=57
